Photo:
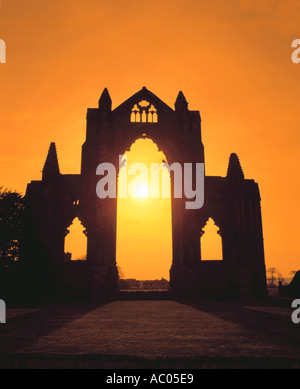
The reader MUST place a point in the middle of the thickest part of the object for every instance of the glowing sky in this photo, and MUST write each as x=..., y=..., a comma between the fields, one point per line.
x=232, y=60
x=144, y=235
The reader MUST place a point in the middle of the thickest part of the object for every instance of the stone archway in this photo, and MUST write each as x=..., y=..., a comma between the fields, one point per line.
x=109, y=134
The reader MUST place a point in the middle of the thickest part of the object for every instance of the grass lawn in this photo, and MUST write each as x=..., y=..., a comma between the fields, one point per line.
x=151, y=334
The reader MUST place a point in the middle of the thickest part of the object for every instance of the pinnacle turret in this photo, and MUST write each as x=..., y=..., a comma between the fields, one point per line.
x=181, y=104
x=51, y=167
x=235, y=171
x=105, y=101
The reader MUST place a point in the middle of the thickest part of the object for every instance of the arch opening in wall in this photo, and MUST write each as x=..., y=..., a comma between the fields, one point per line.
x=211, y=244
x=144, y=227
x=75, y=248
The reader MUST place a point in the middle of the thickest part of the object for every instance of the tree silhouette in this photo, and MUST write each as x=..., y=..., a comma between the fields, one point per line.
x=11, y=225
x=273, y=275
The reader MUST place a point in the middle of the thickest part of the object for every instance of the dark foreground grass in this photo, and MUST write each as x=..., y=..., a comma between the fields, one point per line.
x=151, y=334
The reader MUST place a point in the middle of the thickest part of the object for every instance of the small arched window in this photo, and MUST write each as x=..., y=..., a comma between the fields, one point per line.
x=211, y=242
x=75, y=242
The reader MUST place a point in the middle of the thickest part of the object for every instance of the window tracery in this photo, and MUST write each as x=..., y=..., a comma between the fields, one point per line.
x=144, y=112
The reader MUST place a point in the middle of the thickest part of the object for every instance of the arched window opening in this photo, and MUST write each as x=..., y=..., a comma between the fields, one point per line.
x=76, y=242
x=144, y=112
x=144, y=230
x=211, y=242
x=135, y=114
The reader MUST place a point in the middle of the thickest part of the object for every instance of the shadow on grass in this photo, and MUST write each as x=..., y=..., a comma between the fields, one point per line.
x=24, y=329
x=261, y=321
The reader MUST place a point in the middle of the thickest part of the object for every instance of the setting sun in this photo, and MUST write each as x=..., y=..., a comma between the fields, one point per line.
x=142, y=191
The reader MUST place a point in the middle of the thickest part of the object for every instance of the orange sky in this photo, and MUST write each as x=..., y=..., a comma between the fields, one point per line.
x=144, y=233
x=231, y=59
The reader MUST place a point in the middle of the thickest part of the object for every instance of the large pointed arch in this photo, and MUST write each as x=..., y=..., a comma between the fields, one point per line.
x=144, y=229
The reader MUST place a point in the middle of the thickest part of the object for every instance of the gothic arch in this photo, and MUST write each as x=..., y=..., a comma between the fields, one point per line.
x=69, y=221
x=142, y=132
x=220, y=239
x=203, y=224
x=216, y=219
x=75, y=249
